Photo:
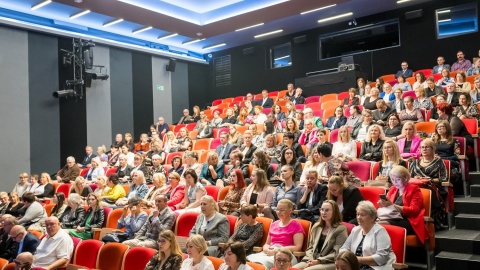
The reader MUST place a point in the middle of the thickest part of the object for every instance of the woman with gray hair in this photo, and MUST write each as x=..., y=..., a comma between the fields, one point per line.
x=96, y=170
x=74, y=213
x=370, y=241
x=213, y=226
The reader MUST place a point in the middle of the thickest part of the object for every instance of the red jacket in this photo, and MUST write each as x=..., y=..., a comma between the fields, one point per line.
x=176, y=197
x=412, y=208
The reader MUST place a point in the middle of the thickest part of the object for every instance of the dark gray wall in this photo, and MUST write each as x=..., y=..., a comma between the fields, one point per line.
x=180, y=91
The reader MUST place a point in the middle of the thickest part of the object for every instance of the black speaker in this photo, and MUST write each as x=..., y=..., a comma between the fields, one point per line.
x=247, y=51
x=171, y=65
x=414, y=14
x=300, y=39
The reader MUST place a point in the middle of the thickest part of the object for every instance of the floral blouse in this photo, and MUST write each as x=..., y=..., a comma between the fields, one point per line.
x=426, y=104
x=173, y=262
x=250, y=236
x=415, y=116
x=470, y=112
x=232, y=200
x=435, y=169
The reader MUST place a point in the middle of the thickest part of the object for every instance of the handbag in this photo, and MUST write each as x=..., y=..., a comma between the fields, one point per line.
x=388, y=213
x=115, y=237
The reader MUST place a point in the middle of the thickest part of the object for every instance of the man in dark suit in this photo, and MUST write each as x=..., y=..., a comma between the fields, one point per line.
x=7, y=245
x=265, y=102
x=441, y=65
x=382, y=113
x=87, y=160
x=405, y=71
x=224, y=149
x=452, y=96
x=432, y=89
x=25, y=241
x=298, y=98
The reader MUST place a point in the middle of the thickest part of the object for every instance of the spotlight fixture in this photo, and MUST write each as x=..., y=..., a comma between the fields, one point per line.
x=335, y=17
x=214, y=46
x=64, y=93
x=269, y=33
x=79, y=14
x=168, y=36
x=41, y=4
x=141, y=30
x=112, y=22
x=352, y=22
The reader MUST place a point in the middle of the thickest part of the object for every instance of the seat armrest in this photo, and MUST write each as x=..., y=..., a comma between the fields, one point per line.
x=399, y=266
x=447, y=184
x=257, y=249
x=222, y=245
x=462, y=157
x=299, y=254
x=427, y=219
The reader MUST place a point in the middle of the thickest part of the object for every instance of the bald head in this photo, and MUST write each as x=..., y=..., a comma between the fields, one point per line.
x=52, y=225
x=24, y=260
x=17, y=233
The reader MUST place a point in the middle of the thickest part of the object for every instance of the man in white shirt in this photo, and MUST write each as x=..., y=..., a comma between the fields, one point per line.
x=55, y=249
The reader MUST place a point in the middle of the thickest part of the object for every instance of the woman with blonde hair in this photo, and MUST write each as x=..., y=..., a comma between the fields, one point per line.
x=158, y=187
x=45, y=188
x=101, y=185
x=212, y=171
x=169, y=255
x=344, y=148
x=345, y=195
x=257, y=139
x=475, y=92
x=129, y=141
x=235, y=137
x=258, y=193
x=80, y=187
x=422, y=101
x=182, y=142
x=196, y=247
x=312, y=163
x=371, y=147
x=93, y=219
x=291, y=110
x=74, y=213
x=391, y=157
x=169, y=141
x=327, y=236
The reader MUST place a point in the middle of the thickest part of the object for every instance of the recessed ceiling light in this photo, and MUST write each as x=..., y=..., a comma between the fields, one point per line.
x=317, y=9
x=269, y=33
x=402, y=1
x=81, y=13
x=41, y=4
x=260, y=24
x=192, y=41
x=168, y=36
x=141, y=30
x=113, y=22
x=214, y=46
x=283, y=57
x=336, y=17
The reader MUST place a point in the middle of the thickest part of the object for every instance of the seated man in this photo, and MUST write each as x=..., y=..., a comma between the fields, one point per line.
x=203, y=118
x=440, y=65
x=265, y=102
x=3, y=202
x=23, y=261
x=462, y=64
x=186, y=118
x=25, y=241
x=55, y=249
x=452, y=95
x=69, y=172
x=7, y=244
x=382, y=113
x=224, y=149
x=405, y=71
x=162, y=218
x=118, y=139
x=298, y=98
x=87, y=160
x=35, y=214
x=432, y=88
x=290, y=93
x=162, y=127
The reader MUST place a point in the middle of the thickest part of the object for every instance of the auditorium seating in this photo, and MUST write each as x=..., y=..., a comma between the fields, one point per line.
x=137, y=257
x=111, y=255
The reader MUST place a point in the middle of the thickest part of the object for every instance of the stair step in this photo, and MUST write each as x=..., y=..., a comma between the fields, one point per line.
x=467, y=221
x=453, y=260
x=463, y=241
x=475, y=178
x=469, y=205
x=475, y=190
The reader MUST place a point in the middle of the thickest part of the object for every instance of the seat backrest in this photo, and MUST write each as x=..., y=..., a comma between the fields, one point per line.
x=471, y=125
x=256, y=266
x=372, y=194
x=3, y=262
x=223, y=192
x=266, y=227
x=171, y=155
x=110, y=171
x=306, y=227
x=375, y=169
x=343, y=95
x=328, y=97
x=427, y=127
x=76, y=241
x=126, y=187
x=314, y=106
x=84, y=172
x=312, y=99
x=10, y=266
x=362, y=169
x=111, y=256
x=233, y=221
x=202, y=144
x=213, y=191
x=216, y=262
x=333, y=136
x=113, y=218
x=349, y=226
x=185, y=223
x=137, y=258
x=214, y=143
x=48, y=209
x=86, y=253
x=65, y=189
x=106, y=211
x=398, y=238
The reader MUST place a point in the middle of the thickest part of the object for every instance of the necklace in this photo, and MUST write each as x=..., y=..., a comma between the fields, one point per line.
x=427, y=162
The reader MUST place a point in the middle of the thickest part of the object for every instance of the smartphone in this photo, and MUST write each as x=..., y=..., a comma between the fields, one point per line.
x=383, y=197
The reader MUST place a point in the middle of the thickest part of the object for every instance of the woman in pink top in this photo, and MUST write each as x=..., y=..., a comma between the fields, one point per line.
x=409, y=146
x=285, y=232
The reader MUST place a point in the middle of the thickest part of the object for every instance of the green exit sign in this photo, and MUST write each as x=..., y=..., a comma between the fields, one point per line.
x=160, y=88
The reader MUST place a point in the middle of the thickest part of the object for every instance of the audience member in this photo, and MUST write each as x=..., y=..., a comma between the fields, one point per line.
x=129, y=141
x=391, y=158
x=143, y=146
x=32, y=184
x=45, y=189
x=212, y=170
x=312, y=163
x=432, y=88
x=405, y=71
x=194, y=192
x=440, y=65
x=133, y=221
x=114, y=192
x=235, y=257
x=462, y=64
x=266, y=101
x=176, y=193
x=352, y=98
x=158, y=186
x=371, y=147
x=393, y=129
x=162, y=127
x=177, y=166
x=410, y=145
x=291, y=110
x=26, y=241
x=114, y=153
x=196, y=247
x=277, y=112
x=126, y=150
x=74, y=214
x=186, y=118
x=35, y=213
x=196, y=114
x=182, y=142
x=336, y=121
x=420, y=80
x=247, y=148
x=23, y=261
x=155, y=168
x=15, y=207
x=236, y=158
x=123, y=170
x=250, y=231
x=60, y=205
x=288, y=157
x=8, y=246
x=344, y=194
x=283, y=258
x=288, y=190
x=299, y=116
x=259, y=117
x=422, y=101
x=191, y=162
x=380, y=116
x=290, y=93
x=461, y=82
x=344, y=148
x=361, y=87
x=69, y=172
x=169, y=255
x=205, y=130
x=138, y=165
x=3, y=202
x=88, y=157
x=96, y=169
x=359, y=131
x=445, y=79
x=93, y=219
x=317, y=121
x=80, y=187
x=229, y=118
x=379, y=82
x=224, y=149
x=475, y=68
x=312, y=198
x=331, y=165
x=298, y=98
x=236, y=137
x=258, y=193
x=447, y=147
x=347, y=260
x=412, y=113
x=388, y=93
x=445, y=112
x=355, y=116
x=465, y=108
x=433, y=112
x=370, y=103
x=230, y=205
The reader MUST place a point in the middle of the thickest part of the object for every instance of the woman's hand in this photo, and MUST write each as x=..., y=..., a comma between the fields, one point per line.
x=313, y=262
x=221, y=203
x=80, y=229
x=211, y=168
x=383, y=203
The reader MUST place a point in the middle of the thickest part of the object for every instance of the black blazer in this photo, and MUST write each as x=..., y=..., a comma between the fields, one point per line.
x=357, y=127
x=30, y=244
x=379, y=116
x=15, y=211
x=247, y=158
x=351, y=198
x=340, y=122
x=319, y=195
x=226, y=154
x=74, y=220
x=355, y=101
x=7, y=247
x=392, y=105
x=454, y=101
x=124, y=173
x=88, y=159
x=47, y=192
x=97, y=219
x=268, y=102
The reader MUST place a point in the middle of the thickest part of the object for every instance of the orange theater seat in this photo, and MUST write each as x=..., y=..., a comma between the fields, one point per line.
x=48, y=209
x=137, y=258
x=86, y=253
x=111, y=256
x=213, y=191
x=372, y=194
x=361, y=169
x=185, y=223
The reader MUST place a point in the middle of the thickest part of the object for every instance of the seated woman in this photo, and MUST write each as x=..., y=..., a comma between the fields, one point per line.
x=370, y=241
x=445, y=79
x=74, y=214
x=410, y=113
x=475, y=91
x=326, y=238
x=257, y=138
x=283, y=259
x=96, y=169
x=461, y=82
x=359, y=131
x=44, y=189
x=337, y=120
x=433, y=112
x=344, y=148
x=309, y=135
x=285, y=232
x=114, y=192
x=212, y=170
x=346, y=197
x=60, y=205
x=445, y=112
x=158, y=187
x=134, y=221
x=408, y=200
x=410, y=145
x=370, y=103
x=93, y=219
x=397, y=104
x=217, y=120
x=393, y=129
x=15, y=207
x=123, y=170
x=101, y=186
x=402, y=84
x=277, y=112
x=169, y=255
x=465, y=109
x=236, y=158
x=114, y=153
x=347, y=260
x=229, y=119
x=287, y=190
x=312, y=163
x=235, y=137
x=177, y=191
x=388, y=94
x=235, y=257
x=289, y=142
x=205, y=131
x=366, y=95
x=259, y=117
x=447, y=147
x=299, y=117
x=420, y=80
x=355, y=116
x=176, y=166
x=168, y=143
x=422, y=101
x=352, y=98
x=143, y=145
x=291, y=126
x=288, y=157
x=196, y=246
x=80, y=187
x=231, y=203
x=268, y=147
x=242, y=116
x=372, y=146
x=213, y=226
x=194, y=192
x=156, y=148
x=250, y=231
x=138, y=189
x=291, y=110
x=261, y=161
x=258, y=193
x=391, y=157
x=191, y=162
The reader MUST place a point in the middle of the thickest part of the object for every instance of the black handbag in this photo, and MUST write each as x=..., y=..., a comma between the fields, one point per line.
x=115, y=237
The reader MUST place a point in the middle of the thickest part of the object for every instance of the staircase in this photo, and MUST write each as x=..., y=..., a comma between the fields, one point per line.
x=459, y=248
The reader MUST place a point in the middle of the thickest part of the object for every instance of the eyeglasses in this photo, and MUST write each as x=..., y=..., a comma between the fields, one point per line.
x=281, y=261
x=288, y=153
x=425, y=147
x=162, y=241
